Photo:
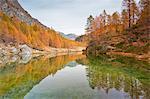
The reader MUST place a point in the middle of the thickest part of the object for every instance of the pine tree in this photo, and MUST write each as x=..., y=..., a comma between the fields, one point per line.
x=104, y=18
x=116, y=20
x=124, y=18
x=90, y=19
x=144, y=12
x=132, y=10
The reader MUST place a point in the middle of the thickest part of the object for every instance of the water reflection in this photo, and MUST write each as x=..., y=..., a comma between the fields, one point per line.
x=24, y=58
x=110, y=81
x=16, y=79
x=91, y=79
x=118, y=80
x=75, y=77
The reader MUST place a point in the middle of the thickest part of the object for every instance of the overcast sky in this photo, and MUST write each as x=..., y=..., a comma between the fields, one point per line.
x=68, y=16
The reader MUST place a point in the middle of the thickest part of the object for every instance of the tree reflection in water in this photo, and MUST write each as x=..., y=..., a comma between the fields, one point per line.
x=111, y=75
x=108, y=75
x=17, y=79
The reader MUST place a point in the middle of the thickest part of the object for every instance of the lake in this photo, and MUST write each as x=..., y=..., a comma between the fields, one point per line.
x=75, y=77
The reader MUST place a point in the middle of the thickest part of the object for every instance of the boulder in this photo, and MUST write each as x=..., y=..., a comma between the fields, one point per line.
x=25, y=50
x=14, y=50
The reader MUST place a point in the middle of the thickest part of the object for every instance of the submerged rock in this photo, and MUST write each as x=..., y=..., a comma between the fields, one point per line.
x=25, y=58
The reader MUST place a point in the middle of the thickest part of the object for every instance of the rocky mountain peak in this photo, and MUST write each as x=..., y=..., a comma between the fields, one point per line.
x=13, y=8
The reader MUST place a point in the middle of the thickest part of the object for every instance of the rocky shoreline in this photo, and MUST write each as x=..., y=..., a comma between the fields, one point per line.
x=8, y=50
x=23, y=53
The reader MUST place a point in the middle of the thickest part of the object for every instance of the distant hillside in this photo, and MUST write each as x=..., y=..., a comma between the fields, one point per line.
x=19, y=27
x=83, y=38
x=69, y=36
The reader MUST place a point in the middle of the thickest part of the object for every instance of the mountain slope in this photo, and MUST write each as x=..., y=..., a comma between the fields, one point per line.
x=13, y=8
x=72, y=36
x=68, y=36
x=18, y=27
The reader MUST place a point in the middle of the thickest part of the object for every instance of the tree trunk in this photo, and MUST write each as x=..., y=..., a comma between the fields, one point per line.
x=129, y=11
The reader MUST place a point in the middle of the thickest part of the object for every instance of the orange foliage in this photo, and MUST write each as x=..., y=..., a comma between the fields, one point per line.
x=13, y=30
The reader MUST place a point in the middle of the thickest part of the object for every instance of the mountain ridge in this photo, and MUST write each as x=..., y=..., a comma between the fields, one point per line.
x=17, y=26
x=13, y=8
x=70, y=36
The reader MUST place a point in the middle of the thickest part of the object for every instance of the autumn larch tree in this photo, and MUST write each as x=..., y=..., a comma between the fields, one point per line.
x=104, y=18
x=132, y=10
x=124, y=18
x=144, y=12
x=116, y=20
x=88, y=25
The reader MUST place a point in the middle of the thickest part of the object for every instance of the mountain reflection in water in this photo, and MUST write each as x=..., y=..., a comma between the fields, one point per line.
x=75, y=77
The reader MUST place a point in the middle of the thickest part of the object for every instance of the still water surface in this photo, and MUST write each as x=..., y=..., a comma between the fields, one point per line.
x=74, y=77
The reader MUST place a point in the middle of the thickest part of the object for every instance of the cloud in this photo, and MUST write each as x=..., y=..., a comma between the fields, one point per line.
x=68, y=16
